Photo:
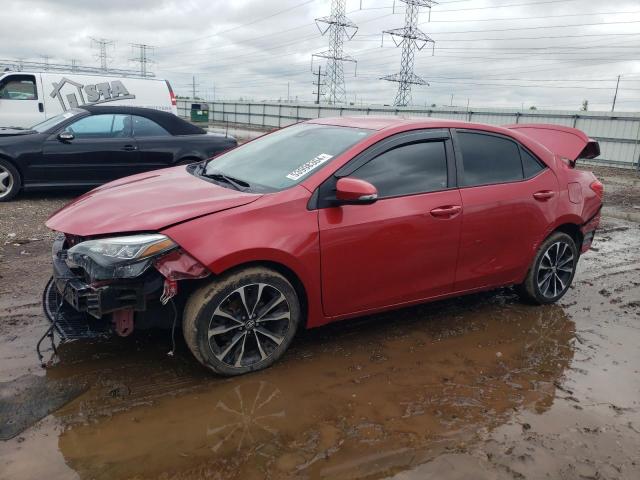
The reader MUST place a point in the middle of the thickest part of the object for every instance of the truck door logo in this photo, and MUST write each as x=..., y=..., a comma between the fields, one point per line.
x=77, y=94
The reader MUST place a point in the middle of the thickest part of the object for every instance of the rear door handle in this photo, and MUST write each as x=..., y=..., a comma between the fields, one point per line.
x=543, y=195
x=129, y=148
x=446, y=212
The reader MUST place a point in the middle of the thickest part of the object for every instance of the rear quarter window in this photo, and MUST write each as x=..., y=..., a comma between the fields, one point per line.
x=531, y=166
x=489, y=159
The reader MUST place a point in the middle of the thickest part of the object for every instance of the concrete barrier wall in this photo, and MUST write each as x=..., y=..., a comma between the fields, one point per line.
x=617, y=133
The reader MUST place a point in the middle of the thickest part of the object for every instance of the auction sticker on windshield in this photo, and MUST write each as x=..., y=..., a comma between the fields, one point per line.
x=302, y=170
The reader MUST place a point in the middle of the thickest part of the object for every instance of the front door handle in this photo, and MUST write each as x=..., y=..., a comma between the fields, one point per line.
x=543, y=195
x=448, y=211
x=40, y=107
x=129, y=148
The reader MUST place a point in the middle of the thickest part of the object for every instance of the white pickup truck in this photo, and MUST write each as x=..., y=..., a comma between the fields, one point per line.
x=28, y=98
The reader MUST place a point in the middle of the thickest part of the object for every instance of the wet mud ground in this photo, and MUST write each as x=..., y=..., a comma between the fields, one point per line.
x=480, y=387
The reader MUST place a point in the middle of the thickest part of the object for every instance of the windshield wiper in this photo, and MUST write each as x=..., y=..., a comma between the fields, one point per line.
x=236, y=183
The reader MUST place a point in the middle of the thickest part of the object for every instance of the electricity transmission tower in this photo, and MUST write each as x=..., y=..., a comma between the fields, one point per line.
x=338, y=27
x=143, y=56
x=45, y=59
x=411, y=38
x=102, y=44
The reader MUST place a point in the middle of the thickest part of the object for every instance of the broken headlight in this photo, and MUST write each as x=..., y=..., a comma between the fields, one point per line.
x=118, y=257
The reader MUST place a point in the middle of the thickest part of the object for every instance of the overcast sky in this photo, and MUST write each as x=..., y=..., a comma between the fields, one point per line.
x=493, y=53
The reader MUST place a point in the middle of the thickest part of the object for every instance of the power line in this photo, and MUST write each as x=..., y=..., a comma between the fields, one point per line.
x=253, y=22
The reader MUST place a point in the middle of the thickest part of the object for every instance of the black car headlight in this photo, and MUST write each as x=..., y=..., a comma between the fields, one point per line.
x=118, y=257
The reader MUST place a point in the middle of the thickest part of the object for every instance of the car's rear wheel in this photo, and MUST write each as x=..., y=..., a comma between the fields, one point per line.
x=9, y=181
x=552, y=271
x=242, y=322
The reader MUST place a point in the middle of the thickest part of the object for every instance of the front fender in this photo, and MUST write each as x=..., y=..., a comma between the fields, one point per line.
x=277, y=228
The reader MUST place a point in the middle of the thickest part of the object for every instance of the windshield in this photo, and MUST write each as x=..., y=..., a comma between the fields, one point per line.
x=286, y=157
x=49, y=123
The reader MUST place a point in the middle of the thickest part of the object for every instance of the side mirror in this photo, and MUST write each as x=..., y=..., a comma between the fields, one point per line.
x=353, y=191
x=65, y=136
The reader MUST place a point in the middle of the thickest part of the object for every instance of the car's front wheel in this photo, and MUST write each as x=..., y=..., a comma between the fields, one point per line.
x=243, y=321
x=9, y=181
x=552, y=271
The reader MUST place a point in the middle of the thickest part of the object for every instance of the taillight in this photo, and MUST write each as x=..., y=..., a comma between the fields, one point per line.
x=174, y=102
x=597, y=187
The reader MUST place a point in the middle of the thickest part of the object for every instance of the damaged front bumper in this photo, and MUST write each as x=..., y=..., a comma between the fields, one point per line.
x=101, y=298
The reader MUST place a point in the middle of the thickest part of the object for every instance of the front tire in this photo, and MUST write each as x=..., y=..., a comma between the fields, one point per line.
x=10, y=181
x=552, y=271
x=242, y=322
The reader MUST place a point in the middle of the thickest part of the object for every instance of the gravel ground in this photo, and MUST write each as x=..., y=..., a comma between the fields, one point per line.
x=480, y=387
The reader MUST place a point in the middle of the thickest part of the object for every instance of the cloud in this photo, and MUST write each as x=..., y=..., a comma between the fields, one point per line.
x=488, y=52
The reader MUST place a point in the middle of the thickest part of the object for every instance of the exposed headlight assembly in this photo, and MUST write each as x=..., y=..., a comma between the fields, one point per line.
x=119, y=257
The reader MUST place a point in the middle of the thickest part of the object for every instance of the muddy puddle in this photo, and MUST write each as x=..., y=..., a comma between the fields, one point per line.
x=478, y=387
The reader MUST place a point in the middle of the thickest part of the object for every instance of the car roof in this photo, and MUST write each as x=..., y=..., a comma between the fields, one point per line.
x=170, y=122
x=383, y=122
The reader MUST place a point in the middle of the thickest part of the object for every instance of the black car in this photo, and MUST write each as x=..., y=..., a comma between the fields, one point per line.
x=92, y=145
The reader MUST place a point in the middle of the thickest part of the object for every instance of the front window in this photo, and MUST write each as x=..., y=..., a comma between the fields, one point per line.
x=101, y=126
x=18, y=87
x=286, y=157
x=53, y=122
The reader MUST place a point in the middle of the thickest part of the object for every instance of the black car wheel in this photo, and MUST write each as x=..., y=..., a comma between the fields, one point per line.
x=242, y=322
x=552, y=272
x=9, y=181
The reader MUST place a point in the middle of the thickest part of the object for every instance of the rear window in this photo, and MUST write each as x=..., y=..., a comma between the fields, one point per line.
x=286, y=157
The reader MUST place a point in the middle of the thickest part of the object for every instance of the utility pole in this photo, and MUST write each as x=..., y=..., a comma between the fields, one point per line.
x=102, y=44
x=143, y=56
x=338, y=27
x=411, y=38
x=74, y=65
x=319, y=84
x=615, y=96
x=194, y=87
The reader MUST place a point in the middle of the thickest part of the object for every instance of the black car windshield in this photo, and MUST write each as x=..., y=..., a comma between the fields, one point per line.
x=52, y=122
x=286, y=157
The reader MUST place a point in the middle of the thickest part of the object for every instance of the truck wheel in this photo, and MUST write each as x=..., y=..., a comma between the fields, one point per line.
x=552, y=271
x=9, y=181
x=242, y=322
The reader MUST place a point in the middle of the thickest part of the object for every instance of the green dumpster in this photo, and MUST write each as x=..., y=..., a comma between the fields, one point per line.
x=200, y=112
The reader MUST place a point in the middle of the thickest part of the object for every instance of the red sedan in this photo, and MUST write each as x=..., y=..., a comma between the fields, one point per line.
x=325, y=220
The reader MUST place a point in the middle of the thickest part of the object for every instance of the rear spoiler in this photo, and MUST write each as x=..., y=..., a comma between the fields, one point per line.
x=567, y=142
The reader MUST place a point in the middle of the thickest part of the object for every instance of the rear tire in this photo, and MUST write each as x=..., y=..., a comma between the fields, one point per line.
x=242, y=322
x=10, y=181
x=552, y=271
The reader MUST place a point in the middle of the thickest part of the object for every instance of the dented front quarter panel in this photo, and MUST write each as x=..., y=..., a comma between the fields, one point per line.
x=277, y=228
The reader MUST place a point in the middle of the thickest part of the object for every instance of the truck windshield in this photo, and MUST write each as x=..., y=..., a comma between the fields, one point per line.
x=52, y=122
x=284, y=158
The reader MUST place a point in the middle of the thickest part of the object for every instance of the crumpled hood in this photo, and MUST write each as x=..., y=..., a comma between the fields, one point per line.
x=145, y=202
